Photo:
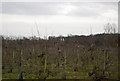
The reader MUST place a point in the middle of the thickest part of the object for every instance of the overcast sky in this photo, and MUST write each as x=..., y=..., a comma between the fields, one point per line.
x=53, y=18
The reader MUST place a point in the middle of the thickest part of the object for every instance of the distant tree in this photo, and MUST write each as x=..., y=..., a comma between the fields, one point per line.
x=114, y=26
x=110, y=28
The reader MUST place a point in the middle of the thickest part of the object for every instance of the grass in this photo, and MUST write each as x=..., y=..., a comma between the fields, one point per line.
x=9, y=76
x=55, y=74
x=71, y=75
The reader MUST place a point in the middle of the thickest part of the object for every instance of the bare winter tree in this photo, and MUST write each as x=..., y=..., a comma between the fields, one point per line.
x=114, y=27
x=110, y=28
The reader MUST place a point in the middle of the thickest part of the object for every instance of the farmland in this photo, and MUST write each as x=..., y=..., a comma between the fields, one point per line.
x=90, y=57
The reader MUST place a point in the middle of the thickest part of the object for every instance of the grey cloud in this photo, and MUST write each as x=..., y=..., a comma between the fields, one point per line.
x=52, y=8
x=94, y=9
x=41, y=8
x=29, y=8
